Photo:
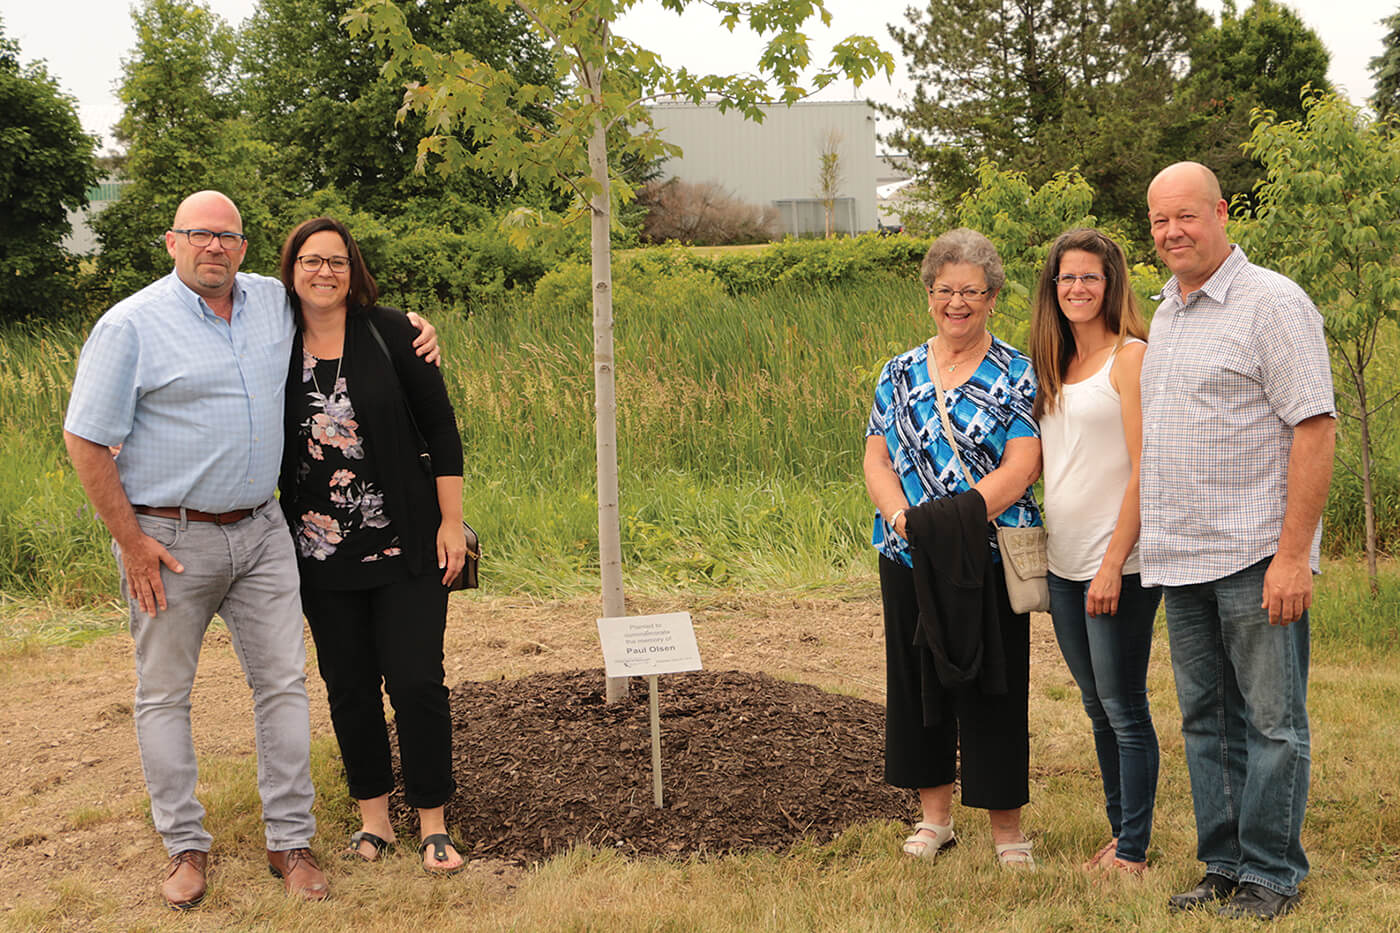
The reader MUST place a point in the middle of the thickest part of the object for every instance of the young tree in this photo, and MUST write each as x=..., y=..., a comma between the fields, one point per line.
x=608, y=79
x=829, y=176
x=1385, y=70
x=1327, y=217
x=46, y=167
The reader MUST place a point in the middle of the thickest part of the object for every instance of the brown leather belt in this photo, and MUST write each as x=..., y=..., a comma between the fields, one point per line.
x=194, y=515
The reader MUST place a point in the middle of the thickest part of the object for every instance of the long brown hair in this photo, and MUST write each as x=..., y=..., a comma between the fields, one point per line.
x=1052, y=338
x=364, y=292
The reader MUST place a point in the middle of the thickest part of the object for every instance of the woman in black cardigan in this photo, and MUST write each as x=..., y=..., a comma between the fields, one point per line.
x=378, y=530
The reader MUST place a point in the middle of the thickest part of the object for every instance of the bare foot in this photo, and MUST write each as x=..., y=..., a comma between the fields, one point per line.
x=1105, y=854
x=1122, y=866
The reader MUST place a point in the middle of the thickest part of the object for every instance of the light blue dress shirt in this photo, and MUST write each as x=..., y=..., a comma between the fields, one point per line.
x=196, y=403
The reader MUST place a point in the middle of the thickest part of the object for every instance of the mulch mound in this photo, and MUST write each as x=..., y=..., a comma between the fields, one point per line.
x=748, y=762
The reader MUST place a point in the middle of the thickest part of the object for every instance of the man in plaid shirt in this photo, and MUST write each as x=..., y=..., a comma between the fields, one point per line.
x=1238, y=435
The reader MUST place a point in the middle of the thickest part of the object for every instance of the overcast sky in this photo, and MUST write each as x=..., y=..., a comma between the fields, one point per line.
x=83, y=42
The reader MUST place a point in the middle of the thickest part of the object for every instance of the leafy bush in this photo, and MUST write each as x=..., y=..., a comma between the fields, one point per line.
x=662, y=280
x=814, y=262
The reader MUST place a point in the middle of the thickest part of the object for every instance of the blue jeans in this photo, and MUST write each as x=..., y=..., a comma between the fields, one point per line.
x=247, y=573
x=1243, y=688
x=1108, y=657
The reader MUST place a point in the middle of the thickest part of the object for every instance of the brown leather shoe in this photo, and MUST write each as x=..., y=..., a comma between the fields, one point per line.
x=299, y=871
x=184, y=883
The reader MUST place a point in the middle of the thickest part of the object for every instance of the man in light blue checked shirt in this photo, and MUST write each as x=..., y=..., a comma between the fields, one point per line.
x=187, y=378
x=1238, y=434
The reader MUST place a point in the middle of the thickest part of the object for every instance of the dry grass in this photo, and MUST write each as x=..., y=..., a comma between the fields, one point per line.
x=858, y=882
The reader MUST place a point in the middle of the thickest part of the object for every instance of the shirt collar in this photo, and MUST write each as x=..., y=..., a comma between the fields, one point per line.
x=1217, y=287
x=196, y=305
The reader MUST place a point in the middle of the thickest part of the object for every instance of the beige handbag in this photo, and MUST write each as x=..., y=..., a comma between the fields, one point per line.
x=1023, y=557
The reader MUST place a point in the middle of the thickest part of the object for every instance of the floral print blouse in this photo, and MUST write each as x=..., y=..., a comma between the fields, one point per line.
x=340, y=509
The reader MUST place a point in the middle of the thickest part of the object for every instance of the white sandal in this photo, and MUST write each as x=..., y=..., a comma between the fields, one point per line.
x=923, y=847
x=1016, y=855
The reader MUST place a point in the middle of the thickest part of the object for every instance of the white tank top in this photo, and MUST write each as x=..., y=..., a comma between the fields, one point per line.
x=1086, y=473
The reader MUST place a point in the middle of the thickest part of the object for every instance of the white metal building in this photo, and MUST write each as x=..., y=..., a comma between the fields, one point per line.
x=777, y=161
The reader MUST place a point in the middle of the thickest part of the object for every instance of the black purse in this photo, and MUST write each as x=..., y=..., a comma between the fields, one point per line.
x=466, y=577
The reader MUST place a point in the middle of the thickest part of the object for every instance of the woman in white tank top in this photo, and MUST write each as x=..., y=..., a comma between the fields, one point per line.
x=1087, y=343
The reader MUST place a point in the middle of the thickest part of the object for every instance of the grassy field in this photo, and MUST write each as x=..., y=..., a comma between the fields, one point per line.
x=739, y=439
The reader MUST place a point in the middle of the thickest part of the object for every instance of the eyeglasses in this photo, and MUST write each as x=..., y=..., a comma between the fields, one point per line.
x=1090, y=279
x=202, y=238
x=313, y=263
x=969, y=295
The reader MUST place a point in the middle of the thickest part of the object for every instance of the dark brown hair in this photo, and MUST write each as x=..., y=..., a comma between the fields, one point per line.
x=363, y=290
x=1052, y=338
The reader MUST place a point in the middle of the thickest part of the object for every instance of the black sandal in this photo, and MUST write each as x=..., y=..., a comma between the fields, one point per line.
x=352, y=851
x=440, y=842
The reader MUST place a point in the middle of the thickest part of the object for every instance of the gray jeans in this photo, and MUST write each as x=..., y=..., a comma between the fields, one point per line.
x=246, y=572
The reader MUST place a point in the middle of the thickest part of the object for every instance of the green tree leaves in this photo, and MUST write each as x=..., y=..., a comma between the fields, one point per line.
x=46, y=167
x=1326, y=215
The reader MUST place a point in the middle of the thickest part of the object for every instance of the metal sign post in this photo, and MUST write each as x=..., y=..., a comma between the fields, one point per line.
x=655, y=742
x=646, y=646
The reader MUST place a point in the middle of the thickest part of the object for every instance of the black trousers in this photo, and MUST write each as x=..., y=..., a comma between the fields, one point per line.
x=994, y=730
x=390, y=634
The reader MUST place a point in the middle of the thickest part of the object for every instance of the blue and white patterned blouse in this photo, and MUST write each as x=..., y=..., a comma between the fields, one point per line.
x=991, y=408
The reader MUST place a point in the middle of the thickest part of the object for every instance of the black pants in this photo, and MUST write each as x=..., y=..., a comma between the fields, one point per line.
x=390, y=634
x=995, y=732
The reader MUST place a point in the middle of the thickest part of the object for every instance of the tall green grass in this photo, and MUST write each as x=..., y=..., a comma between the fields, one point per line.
x=739, y=436
x=740, y=432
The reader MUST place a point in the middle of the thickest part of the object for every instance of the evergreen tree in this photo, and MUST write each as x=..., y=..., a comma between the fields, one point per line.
x=1043, y=86
x=1260, y=59
x=1385, y=70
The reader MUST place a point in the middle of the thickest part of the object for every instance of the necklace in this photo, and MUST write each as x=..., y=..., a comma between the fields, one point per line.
x=981, y=351
x=330, y=428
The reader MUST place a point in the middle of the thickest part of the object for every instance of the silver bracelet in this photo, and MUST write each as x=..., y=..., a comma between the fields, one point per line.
x=895, y=517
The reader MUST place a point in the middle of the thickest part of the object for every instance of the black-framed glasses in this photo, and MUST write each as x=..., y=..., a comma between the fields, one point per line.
x=1089, y=278
x=202, y=238
x=969, y=295
x=313, y=263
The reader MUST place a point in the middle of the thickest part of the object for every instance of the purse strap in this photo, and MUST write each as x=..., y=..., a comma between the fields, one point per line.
x=384, y=347
x=473, y=545
x=943, y=413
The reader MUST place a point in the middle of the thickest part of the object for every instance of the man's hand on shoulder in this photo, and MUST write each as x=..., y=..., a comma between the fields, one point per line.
x=427, y=344
x=1288, y=589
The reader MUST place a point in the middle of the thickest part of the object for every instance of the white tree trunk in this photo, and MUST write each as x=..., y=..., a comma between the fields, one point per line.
x=609, y=526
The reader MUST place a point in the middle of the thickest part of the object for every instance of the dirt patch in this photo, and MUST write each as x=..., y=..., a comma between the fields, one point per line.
x=748, y=761
x=74, y=814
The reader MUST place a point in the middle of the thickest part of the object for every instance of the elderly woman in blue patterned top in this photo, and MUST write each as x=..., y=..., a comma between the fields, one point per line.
x=990, y=389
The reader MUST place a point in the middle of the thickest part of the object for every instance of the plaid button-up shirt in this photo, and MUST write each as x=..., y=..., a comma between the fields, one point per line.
x=1229, y=370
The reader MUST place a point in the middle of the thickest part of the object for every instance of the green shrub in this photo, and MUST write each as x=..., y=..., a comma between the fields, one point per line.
x=658, y=279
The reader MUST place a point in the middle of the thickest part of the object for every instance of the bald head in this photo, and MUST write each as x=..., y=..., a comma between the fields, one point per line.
x=209, y=269
x=1187, y=215
x=201, y=201
x=1188, y=174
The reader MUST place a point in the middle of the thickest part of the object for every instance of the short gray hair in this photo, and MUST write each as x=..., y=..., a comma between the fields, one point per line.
x=963, y=245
